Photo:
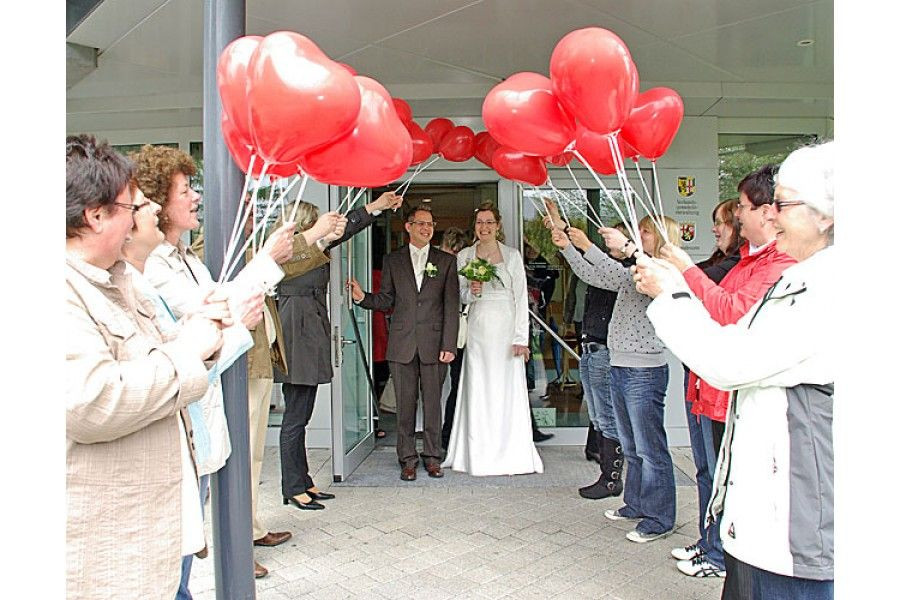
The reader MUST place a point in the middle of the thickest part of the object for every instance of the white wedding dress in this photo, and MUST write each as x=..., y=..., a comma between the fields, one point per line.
x=492, y=425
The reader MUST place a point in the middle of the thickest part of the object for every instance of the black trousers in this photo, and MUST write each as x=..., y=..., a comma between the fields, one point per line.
x=739, y=582
x=299, y=401
x=450, y=406
x=409, y=379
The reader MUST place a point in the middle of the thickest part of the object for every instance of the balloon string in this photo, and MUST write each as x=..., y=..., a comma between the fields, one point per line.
x=587, y=200
x=262, y=233
x=625, y=222
x=415, y=173
x=651, y=210
x=660, y=216
x=298, y=198
x=656, y=186
x=537, y=193
x=346, y=198
x=229, y=253
x=612, y=141
x=355, y=198
x=560, y=203
x=531, y=199
x=281, y=198
x=269, y=210
x=598, y=223
x=240, y=211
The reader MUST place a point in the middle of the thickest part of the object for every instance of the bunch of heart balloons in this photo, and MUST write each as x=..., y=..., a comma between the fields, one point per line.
x=288, y=108
x=590, y=106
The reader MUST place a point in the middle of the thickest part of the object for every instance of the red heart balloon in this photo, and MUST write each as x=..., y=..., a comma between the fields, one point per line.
x=299, y=98
x=404, y=111
x=458, y=144
x=231, y=78
x=518, y=166
x=421, y=143
x=594, y=78
x=241, y=151
x=485, y=146
x=594, y=147
x=376, y=152
x=350, y=69
x=436, y=129
x=522, y=112
x=654, y=121
x=560, y=160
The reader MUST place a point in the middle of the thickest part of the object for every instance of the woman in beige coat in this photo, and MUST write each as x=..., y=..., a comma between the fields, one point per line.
x=126, y=382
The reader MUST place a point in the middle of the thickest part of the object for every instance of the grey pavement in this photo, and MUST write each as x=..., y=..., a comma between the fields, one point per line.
x=465, y=537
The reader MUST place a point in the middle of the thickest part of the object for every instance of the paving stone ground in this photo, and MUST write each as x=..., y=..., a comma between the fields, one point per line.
x=434, y=541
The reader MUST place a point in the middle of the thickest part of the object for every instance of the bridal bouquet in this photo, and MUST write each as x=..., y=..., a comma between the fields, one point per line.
x=479, y=269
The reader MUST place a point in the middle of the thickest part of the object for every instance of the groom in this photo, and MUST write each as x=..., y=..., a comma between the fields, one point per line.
x=420, y=283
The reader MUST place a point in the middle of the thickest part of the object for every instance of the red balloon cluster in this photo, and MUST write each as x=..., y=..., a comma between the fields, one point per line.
x=288, y=103
x=591, y=98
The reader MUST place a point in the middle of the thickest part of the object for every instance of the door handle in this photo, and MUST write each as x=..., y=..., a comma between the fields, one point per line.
x=345, y=341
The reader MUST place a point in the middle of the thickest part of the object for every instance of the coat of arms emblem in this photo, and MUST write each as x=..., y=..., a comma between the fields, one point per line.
x=688, y=231
x=686, y=186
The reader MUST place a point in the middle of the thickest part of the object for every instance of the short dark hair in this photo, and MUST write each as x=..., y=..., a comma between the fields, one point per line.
x=759, y=185
x=95, y=176
x=411, y=215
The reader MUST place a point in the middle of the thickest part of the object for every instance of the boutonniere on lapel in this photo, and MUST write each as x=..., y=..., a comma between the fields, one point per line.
x=430, y=270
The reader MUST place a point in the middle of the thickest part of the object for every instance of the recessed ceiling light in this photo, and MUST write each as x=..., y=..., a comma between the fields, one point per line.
x=805, y=43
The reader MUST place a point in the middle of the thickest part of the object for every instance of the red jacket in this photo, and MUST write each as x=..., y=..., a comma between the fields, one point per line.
x=726, y=303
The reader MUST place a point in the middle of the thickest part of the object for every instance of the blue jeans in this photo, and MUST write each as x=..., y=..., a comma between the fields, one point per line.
x=639, y=396
x=594, y=371
x=183, y=592
x=700, y=431
x=771, y=586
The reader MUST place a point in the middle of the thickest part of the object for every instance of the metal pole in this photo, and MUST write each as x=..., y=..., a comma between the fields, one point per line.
x=224, y=21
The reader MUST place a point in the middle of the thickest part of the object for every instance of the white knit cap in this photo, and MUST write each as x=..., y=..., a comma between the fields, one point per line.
x=810, y=172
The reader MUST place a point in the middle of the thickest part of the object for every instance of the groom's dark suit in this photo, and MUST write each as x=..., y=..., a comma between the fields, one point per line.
x=424, y=324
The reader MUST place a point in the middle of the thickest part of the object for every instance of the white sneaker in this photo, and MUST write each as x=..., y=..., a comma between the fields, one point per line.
x=640, y=538
x=687, y=553
x=699, y=567
x=614, y=515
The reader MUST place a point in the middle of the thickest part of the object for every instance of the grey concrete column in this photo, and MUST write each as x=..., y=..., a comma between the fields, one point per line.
x=224, y=21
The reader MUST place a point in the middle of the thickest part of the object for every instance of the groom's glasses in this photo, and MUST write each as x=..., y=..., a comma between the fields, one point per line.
x=423, y=223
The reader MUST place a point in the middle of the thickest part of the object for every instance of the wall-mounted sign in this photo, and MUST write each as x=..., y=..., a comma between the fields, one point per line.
x=686, y=186
x=688, y=231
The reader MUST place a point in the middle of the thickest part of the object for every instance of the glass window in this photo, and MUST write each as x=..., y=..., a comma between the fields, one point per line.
x=740, y=154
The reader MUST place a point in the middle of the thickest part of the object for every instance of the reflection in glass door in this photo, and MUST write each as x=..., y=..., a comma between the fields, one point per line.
x=351, y=399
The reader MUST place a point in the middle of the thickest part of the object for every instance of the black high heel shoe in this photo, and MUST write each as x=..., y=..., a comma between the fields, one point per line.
x=311, y=505
x=320, y=495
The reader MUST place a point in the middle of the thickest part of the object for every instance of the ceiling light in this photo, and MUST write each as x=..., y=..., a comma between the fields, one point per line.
x=806, y=42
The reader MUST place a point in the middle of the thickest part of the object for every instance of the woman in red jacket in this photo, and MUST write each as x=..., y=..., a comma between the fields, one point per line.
x=760, y=265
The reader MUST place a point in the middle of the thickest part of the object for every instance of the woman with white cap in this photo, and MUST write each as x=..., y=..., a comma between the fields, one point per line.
x=774, y=485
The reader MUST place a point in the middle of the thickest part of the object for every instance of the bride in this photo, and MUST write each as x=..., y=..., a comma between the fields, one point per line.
x=492, y=425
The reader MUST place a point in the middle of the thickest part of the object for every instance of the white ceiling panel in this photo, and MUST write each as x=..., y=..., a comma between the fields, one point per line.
x=730, y=58
x=668, y=19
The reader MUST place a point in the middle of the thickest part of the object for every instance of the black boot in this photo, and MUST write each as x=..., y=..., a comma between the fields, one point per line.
x=594, y=445
x=610, y=482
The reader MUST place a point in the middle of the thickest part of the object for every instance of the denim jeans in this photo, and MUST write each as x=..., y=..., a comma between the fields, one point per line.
x=705, y=461
x=771, y=586
x=594, y=371
x=183, y=592
x=639, y=395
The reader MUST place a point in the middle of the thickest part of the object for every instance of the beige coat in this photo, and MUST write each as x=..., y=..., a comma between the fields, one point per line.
x=125, y=384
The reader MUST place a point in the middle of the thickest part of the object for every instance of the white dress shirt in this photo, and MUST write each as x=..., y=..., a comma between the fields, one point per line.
x=419, y=258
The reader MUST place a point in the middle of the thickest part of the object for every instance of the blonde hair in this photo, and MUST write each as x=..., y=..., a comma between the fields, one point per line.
x=307, y=214
x=671, y=232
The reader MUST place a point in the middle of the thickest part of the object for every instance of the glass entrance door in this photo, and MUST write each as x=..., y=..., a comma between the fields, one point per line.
x=353, y=437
